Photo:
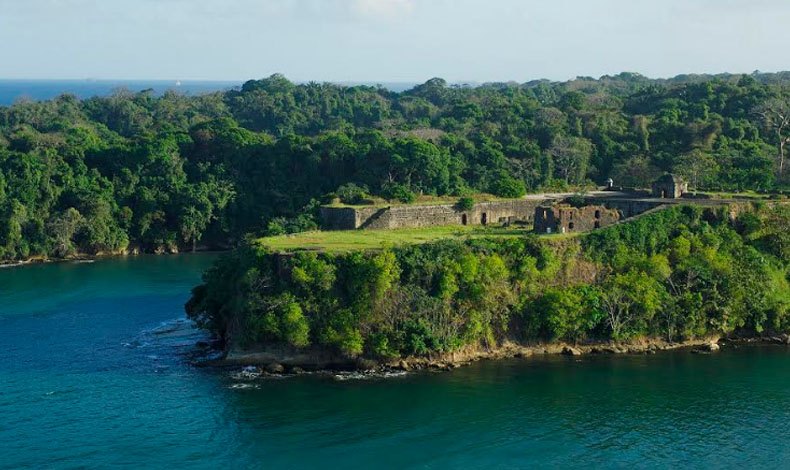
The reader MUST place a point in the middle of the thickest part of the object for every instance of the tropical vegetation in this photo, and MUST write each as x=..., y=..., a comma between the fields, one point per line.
x=157, y=173
x=680, y=273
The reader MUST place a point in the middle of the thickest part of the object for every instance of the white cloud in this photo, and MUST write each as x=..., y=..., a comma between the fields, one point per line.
x=383, y=9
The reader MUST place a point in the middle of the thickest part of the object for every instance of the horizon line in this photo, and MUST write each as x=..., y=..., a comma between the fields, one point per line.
x=398, y=81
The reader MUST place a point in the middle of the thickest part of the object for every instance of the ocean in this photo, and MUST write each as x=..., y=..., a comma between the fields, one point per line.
x=97, y=371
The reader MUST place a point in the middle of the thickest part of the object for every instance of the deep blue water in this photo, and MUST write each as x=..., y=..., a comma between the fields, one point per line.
x=95, y=373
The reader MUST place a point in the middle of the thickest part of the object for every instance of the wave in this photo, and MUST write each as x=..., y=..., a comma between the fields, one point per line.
x=368, y=375
x=244, y=386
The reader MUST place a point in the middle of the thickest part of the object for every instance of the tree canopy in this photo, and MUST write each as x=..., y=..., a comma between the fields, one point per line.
x=174, y=171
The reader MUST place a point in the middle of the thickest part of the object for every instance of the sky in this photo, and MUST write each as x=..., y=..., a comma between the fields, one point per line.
x=388, y=40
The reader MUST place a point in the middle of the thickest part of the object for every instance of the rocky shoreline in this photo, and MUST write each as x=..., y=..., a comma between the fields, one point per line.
x=279, y=362
x=78, y=258
x=89, y=258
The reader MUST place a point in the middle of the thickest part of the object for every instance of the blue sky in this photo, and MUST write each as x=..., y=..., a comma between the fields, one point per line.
x=388, y=40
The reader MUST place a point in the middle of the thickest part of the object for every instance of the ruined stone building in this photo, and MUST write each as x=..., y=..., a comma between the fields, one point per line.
x=546, y=213
x=564, y=218
x=670, y=187
x=513, y=211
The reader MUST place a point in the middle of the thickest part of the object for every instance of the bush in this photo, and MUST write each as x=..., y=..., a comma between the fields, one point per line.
x=577, y=200
x=295, y=327
x=352, y=194
x=748, y=223
x=465, y=203
x=505, y=185
x=555, y=185
x=399, y=192
x=304, y=222
x=276, y=226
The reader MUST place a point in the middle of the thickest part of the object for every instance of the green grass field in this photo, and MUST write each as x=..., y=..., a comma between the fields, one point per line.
x=352, y=240
x=730, y=195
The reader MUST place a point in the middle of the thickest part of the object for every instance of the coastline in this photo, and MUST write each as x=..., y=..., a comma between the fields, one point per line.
x=283, y=361
x=90, y=258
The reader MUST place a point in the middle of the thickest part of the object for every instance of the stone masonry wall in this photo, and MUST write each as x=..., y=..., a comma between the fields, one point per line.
x=416, y=216
x=564, y=218
x=627, y=207
x=497, y=212
x=338, y=218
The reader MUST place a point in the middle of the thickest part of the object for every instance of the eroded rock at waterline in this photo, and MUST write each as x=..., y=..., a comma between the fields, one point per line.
x=706, y=348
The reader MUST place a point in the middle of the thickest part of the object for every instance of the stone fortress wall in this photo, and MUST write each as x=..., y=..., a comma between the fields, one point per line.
x=416, y=216
x=548, y=213
x=515, y=211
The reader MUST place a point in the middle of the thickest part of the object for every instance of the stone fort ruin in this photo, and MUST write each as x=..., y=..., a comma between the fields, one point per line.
x=515, y=211
x=549, y=213
x=565, y=218
x=670, y=186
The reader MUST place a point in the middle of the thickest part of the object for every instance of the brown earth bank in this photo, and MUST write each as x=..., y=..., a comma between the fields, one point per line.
x=281, y=360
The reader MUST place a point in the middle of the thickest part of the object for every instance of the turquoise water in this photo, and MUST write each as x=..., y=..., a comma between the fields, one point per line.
x=95, y=373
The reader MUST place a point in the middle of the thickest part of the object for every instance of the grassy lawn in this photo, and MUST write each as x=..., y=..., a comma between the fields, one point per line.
x=729, y=195
x=344, y=241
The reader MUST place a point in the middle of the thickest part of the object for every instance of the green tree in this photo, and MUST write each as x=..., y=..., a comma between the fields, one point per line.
x=629, y=301
x=62, y=228
x=571, y=156
x=568, y=313
x=698, y=168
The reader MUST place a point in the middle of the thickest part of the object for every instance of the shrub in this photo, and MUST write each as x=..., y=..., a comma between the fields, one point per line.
x=577, y=200
x=466, y=203
x=304, y=222
x=505, y=185
x=352, y=194
x=295, y=327
x=399, y=192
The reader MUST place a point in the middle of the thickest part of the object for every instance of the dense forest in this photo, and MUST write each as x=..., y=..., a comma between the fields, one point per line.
x=136, y=171
x=681, y=273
